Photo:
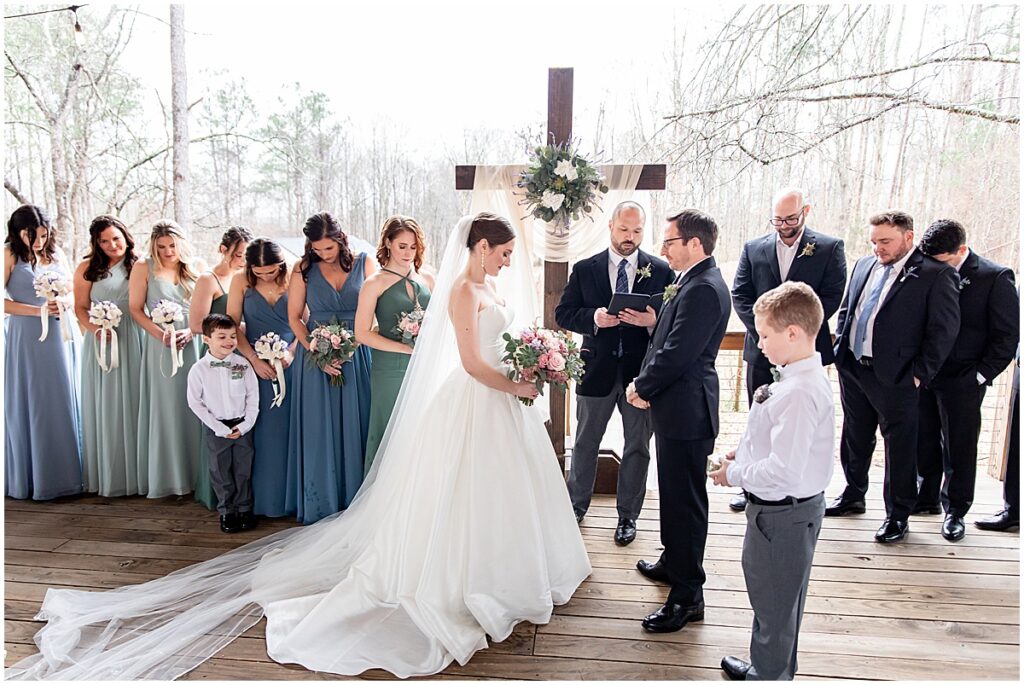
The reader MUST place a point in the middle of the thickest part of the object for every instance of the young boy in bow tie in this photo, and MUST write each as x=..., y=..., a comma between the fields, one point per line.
x=783, y=462
x=224, y=393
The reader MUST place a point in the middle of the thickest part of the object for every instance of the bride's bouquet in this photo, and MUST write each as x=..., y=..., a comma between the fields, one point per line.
x=409, y=324
x=329, y=343
x=52, y=286
x=166, y=313
x=107, y=316
x=271, y=348
x=539, y=356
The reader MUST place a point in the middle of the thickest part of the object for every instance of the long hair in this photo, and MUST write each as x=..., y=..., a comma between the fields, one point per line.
x=98, y=266
x=265, y=252
x=30, y=218
x=393, y=226
x=318, y=227
x=165, y=228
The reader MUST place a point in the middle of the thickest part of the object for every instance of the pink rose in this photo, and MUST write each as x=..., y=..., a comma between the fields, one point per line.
x=544, y=360
x=414, y=328
x=556, y=362
x=529, y=375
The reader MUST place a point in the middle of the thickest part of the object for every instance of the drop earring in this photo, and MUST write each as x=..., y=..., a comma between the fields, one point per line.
x=482, y=261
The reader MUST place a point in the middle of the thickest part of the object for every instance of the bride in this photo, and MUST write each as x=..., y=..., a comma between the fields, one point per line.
x=462, y=529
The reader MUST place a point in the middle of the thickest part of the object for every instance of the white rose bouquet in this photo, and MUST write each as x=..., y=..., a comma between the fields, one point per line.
x=107, y=316
x=271, y=348
x=165, y=313
x=52, y=286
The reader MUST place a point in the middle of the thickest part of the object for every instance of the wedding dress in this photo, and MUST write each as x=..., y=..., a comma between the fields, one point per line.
x=462, y=529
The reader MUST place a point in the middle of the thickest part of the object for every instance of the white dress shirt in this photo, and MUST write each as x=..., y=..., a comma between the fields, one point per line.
x=613, y=267
x=786, y=253
x=876, y=275
x=216, y=393
x=786, y=449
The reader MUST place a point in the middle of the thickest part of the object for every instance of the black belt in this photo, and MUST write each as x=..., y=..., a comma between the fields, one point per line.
x=754, y=499
x=866, y=361
x=231, y=423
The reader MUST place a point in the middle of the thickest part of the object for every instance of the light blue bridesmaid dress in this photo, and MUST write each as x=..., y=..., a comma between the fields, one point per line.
x=270, y=434
x=168, y=430
x=42, y=453
x=110, y=400
x=329, y=425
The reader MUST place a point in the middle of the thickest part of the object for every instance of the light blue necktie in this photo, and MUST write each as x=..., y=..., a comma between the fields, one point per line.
x=869, y=307
x=622, y=286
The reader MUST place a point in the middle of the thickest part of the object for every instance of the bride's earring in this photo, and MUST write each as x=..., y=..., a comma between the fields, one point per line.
x=482, y=261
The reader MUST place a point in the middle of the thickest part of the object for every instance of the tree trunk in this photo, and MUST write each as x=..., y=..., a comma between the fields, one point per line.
x=179, y=118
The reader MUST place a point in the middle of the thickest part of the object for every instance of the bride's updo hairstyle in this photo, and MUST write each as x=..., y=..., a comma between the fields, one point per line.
x=494, y=229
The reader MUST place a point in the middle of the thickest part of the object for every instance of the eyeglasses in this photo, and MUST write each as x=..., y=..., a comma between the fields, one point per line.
x=788, y=221
x=666, y=241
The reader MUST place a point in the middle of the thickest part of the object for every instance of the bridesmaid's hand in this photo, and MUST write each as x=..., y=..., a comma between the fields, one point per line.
x=53, y=308
x=184, y=338
x=333, y=369
x=102, y=333
x=263, y=369
x=288, y=359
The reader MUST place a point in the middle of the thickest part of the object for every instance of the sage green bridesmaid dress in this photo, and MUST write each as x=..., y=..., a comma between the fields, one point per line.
x=388, y=370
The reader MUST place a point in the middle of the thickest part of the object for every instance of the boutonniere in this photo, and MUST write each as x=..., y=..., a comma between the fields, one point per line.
x=643, y=272
x=763, y=393
x=908, y=272
x=808, y=250
x=776, y=374
x=669, y=292
x=964, y=282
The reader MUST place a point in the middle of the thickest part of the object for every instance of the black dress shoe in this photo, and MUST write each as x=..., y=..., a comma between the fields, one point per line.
x=653, y=571
x=953, y=527
x=738, y=503
x=673, y=617
x=735, y=668
x=1004, y=520
x=842, y=507
x=579, y=516
x=625, y=533
x=926, y=509
x=246, y=521
x=892, y=531
x=229, y=523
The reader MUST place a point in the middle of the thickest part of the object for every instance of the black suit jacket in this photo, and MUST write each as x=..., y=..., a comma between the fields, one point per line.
x=678, y=376
x=588, y=290
x=989, y=325
x=915, y=325
x=758, y=272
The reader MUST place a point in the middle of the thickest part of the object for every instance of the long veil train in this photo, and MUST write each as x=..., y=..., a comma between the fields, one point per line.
x=385, y=583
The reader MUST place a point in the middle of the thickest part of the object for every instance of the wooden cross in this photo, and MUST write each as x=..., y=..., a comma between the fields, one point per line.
x=556, y=274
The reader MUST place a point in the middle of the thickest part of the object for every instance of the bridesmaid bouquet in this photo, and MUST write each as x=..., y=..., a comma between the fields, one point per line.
x=165, y=313
x=107, y=316
x=409, y=325
x=329, y=343
x=271, y=348
x=541, y=356
x=52, y=286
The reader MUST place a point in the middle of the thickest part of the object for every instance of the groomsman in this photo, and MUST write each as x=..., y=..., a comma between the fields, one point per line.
x=679, y=383
x=613, y=347
x=950, y=419
x=793, y=252
x=1009, y=517
x=897, y=324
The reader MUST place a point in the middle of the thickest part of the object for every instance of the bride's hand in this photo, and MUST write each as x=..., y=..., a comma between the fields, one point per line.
x=525, y=390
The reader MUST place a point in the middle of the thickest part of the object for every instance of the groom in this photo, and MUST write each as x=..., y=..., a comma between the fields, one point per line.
x=679, y=383
x=613, y=347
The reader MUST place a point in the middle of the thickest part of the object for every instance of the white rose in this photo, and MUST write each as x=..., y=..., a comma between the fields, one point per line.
x=566, y=169
x=552, y=200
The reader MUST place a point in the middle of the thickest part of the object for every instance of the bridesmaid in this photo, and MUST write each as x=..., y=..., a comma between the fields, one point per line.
x=259, y=298
x=398, y=287
x=110, y=400
x=168, y=442
x=211, y=297
x=42, y=457
x=327, y=434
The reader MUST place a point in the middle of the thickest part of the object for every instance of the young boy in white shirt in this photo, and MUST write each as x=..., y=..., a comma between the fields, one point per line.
x=224, y=393
x=784, y=462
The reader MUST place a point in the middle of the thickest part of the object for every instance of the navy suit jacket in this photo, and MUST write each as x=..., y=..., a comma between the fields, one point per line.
x=589, y=289
x=678, y=376
x=915, y=324
x=989, y=324
x=758, y=272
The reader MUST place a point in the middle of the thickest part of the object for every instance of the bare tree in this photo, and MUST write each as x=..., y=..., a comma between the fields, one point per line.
x=179, y=117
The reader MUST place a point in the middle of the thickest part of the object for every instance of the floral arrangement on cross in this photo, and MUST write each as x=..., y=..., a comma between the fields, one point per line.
x=560, y=186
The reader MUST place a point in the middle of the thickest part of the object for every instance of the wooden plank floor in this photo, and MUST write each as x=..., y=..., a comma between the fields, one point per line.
x=922, y=610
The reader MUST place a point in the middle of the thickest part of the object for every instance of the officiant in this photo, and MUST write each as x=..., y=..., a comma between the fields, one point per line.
x=613, y=348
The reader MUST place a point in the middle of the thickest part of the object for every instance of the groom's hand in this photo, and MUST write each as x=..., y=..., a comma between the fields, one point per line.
x=605, y=320
x=634, y=399
x=645, y=319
